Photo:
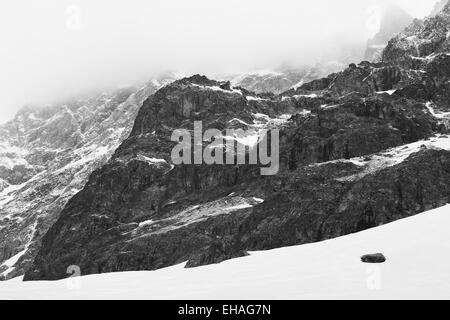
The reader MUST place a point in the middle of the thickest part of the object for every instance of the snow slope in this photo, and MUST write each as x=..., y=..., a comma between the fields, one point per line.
x=417, y=267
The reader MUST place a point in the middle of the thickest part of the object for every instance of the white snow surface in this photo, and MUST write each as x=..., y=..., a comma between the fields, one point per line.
x=417, y=267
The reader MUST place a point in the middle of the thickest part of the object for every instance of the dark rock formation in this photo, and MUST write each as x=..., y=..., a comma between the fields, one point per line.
x=373, y=258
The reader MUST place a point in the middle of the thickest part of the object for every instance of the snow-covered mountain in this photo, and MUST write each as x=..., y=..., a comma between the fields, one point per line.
x=438, y=8
x=416, y=268
x=47, y=155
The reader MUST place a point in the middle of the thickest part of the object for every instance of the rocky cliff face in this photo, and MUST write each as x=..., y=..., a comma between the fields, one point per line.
x=359, y=148
x=46, y=157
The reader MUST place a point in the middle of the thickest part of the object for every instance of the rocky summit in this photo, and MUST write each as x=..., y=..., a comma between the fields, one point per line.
x=359, y=148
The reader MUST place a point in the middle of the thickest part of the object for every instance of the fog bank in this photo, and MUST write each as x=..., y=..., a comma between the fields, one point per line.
x=57, y=48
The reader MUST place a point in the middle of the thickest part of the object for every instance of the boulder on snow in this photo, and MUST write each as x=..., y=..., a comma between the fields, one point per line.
x=373, y=258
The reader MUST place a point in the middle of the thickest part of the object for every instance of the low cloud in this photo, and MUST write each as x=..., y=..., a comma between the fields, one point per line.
x=54, y=48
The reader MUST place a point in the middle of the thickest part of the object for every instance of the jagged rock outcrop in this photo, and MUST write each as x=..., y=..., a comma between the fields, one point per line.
x=373, y=258
x=140, y=212
x=46, y=157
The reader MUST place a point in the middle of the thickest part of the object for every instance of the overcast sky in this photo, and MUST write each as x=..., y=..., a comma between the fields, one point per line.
x=52, y=49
